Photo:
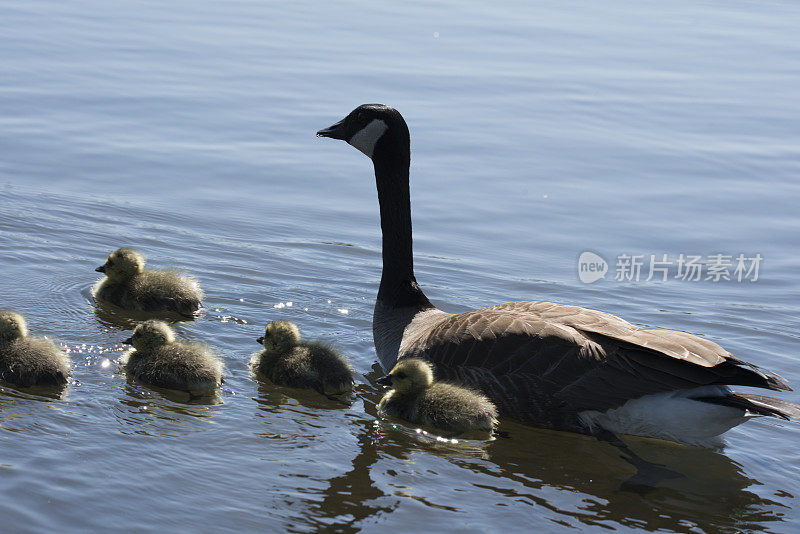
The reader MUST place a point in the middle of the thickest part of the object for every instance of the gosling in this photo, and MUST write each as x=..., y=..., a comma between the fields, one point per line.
x=288, y=362
x=27, y=361
x=157, y=359
x=416, y=398
x=130, y=286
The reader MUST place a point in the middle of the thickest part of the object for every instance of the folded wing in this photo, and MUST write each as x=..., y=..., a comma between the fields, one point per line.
x=544, y=362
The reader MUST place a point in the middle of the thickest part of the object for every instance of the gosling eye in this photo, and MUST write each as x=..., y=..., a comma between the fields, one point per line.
x=109, y=263
x=400, y=375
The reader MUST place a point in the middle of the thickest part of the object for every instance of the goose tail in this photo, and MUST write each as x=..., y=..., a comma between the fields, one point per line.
x=757, y=404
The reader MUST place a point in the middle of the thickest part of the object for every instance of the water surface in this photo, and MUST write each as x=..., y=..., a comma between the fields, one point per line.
x=539, y=131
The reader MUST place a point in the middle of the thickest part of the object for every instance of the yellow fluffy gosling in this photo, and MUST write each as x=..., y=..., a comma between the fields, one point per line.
x=416, y=398
x=287, y=361
x=29, y=361
x=129, y=285
x=159, y=360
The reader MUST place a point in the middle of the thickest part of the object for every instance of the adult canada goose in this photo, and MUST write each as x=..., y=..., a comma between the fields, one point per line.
x=158, y=359
x=29, y=361
x=130, y=286
x=287, y=361
x=415, y=397
x=552, y=365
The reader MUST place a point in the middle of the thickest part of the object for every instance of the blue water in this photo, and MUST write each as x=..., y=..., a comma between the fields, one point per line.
x=539, y=131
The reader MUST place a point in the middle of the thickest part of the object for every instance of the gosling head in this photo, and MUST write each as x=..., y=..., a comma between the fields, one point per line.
x=374, y=129
x=409, y=375
x=122, y=264
x=280, y=336
x=150, y=334
x=12, y=326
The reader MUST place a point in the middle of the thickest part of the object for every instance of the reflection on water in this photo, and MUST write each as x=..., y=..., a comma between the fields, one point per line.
x=136, y=389
x=43, y=393
x=164, y=413
x=113, y=316
x=276, y=399
x=531, y=465
x=711, y=494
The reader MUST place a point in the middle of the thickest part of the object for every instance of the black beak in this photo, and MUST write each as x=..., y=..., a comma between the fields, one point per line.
x=128, y=341
x=260, y=340
x=101, y=269
x=335, y=131
x=385, y=380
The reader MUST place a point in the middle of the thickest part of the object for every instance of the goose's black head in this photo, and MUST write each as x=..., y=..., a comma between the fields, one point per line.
x=376, y=130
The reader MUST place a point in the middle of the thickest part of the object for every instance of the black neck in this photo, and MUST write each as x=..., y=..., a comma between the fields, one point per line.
x=398, y=286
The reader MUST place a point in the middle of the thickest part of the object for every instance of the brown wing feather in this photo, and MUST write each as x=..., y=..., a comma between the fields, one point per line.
x=541, y=361
x=679, y=345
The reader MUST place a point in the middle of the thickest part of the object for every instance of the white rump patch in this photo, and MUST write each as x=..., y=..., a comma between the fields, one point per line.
x=673, y=416
x=366, y=137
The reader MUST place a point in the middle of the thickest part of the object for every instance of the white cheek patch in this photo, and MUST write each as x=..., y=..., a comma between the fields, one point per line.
x=366, y=137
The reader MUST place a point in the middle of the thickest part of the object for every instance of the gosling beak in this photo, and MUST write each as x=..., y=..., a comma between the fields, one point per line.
x=385, y=380
x=128, y=341
x=334, y=131
x=101, y=269
x=260, y=340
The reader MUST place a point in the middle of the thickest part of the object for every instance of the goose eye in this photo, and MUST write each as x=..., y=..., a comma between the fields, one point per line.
x=109, y=263
x=400, y=375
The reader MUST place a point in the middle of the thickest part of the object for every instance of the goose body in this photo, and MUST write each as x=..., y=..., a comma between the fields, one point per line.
x=130, y=286
x=29, y=361
x=415, y=397
x=287, y=361
x=548, y=364
x=158, y=359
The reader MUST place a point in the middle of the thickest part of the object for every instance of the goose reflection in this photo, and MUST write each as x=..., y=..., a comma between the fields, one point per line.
x=276, y=399
x=163, y=412
x=711, y=495
x=112, y=316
